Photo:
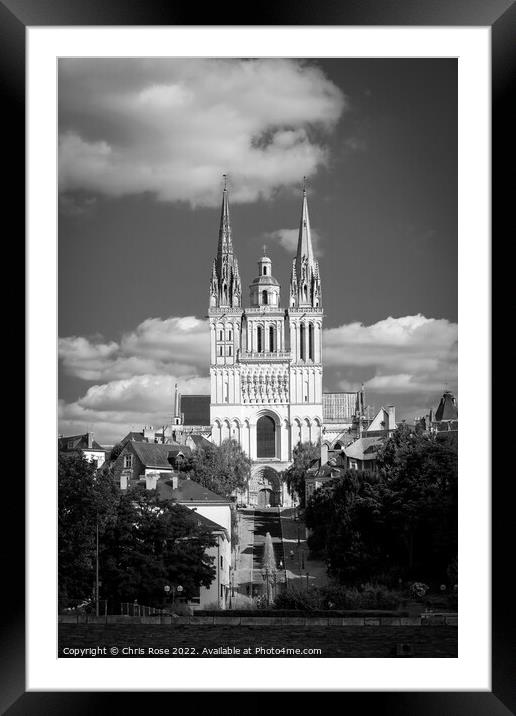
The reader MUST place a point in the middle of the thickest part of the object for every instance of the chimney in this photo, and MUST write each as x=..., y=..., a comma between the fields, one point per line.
x=391, y=420
x=148, y=433
x=90, y=440
x=175, y=481
x=151, y=479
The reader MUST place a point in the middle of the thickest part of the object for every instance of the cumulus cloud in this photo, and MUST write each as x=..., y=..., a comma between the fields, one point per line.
x=178, y=345
x=172, y=126
x=113, y=409
x=287, y=239
x=406, y=361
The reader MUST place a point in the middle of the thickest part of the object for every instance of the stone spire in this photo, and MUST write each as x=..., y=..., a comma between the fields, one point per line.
x=305, y=283
x=225, y=287
x=225, y=244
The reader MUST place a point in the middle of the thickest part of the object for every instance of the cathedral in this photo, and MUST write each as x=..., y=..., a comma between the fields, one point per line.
x=266, y=365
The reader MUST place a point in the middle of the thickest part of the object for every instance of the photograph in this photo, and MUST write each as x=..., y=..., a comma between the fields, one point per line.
x=258, y=386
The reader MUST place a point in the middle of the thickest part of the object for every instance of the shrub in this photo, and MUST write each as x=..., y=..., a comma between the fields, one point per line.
x=296, y=598
x=417, y=590
x=368, y=596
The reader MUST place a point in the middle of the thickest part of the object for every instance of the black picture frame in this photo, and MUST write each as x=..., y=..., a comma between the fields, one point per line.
x=500, y=15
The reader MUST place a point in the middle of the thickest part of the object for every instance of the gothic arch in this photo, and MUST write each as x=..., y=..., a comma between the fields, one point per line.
x=236, y=429
x=264, y=486
x=225, y=430
x=217, y=429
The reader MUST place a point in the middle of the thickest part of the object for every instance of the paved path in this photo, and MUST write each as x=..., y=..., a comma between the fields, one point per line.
x=301, y=569
x=253, y=527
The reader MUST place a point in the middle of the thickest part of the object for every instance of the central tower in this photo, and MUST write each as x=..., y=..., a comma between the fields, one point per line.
x=266, y=360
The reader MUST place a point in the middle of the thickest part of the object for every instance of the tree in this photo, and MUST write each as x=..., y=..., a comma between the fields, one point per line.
x=151, y=544
x=221, y=468
x=398, y=522
x=345, y=518
x=420, y=496
x=303, y=456
x=86, y=499
x=144, y=544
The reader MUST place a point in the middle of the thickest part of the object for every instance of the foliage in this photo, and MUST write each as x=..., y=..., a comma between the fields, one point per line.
x=417, y=590
x=143, y=544
x=221, y=468
x=400, y=521
x=85, y=498
x=153, y=544
x=298, y=598
x=303, y=456
x=367, y=596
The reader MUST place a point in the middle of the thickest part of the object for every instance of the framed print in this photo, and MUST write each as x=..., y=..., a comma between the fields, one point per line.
x=144, y=135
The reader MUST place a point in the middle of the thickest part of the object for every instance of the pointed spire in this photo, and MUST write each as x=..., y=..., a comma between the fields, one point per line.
x=304, y=242
x=305, y=285
x=225, y=244
x=225, y=280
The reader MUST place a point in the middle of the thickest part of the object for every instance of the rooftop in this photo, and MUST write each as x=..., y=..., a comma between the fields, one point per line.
x=188, y=491
x=158, y=456
x=363, y=448
x=77, y=442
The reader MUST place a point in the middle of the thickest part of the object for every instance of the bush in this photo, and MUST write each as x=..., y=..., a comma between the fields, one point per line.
x=295, y=598
x=368, y=596
x=418, y=590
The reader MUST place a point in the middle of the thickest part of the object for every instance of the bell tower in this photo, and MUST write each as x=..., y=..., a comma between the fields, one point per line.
x=305, y=317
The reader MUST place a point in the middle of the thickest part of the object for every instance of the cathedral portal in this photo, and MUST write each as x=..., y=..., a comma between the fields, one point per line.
x=265, y=487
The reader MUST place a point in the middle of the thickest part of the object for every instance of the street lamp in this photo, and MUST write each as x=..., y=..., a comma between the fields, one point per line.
x=179, y=590
x=166, y=589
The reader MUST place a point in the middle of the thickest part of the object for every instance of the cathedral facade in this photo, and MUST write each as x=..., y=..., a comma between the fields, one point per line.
x=266, y=359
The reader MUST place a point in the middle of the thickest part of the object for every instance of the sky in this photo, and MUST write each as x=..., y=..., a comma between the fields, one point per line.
x=143, y=145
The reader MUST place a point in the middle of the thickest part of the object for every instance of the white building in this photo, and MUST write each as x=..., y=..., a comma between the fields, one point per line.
x=266, y=368
x=266, y=360
x=84, y=445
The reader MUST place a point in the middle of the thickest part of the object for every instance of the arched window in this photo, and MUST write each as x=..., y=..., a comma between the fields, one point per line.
x=310, y=342
x=265, y=270
x=337, y=446
x=259, y=339
x=302, y=351
x=271, y=339
x=265, y=437
x=264, y=298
